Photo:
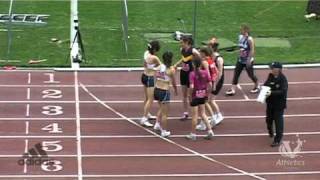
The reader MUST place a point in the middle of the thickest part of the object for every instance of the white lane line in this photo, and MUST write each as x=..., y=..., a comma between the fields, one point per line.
x=162, y=175
x=37, y=119
x=27, y=110
x=27, y=127
x=28, y=94
x=170, y=141
x=39, y=86
x=168, y=155
x=152, y=136
x=137, y=118
x=78, y=125
x=25, y=169
x=25, y=166
x=29, y=78
x=140, y=101
x=135, y=85
x=202, y=175
x=216, y=135
x=244, y=94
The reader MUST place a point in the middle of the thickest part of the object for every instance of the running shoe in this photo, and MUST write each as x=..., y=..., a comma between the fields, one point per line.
x=218, y=119
x=275, y=144
x=184, y=117
x=157, y=126
x=307, y=17
x=209, y=136
x=255, y=90
x=213, y=120
x=165, y=133
x=201, y=126
x=144, y=122
x=230, y=92
x=191, y=136
x=151, y=117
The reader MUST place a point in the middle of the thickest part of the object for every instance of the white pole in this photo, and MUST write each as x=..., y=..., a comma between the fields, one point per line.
x=74, y=24
x=125, y=25
x=9, y=31
x=195, y=12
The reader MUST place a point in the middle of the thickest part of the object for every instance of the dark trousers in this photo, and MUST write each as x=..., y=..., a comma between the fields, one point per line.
x=237, y=72
x=313, y=7
x=275, y=115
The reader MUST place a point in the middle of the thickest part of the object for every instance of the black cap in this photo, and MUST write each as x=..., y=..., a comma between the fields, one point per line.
x=276, y=65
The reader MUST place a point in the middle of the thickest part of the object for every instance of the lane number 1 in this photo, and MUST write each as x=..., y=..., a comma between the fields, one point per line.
x=51, y=78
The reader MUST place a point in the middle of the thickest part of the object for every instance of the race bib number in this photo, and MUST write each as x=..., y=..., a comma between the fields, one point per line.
x=185, y=67
x=201, y=93
x=243, y=53
x=161, y=75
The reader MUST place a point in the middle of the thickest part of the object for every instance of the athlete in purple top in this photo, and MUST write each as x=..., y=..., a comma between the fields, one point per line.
x=200, y=82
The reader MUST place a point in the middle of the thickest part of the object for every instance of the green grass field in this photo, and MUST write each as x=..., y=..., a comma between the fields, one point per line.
x=279, y=28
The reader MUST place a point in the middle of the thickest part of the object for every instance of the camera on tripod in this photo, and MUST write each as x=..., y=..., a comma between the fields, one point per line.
x=77, y=48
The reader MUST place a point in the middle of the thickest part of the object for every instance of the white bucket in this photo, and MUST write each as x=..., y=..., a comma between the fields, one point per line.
x=263, y=94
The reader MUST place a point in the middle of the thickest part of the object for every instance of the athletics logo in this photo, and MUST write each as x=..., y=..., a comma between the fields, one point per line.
x=286, y=150
x=35, y=156
x=290, y=150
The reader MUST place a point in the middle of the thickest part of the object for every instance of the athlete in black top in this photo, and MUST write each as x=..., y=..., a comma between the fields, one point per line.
x=187, y=52
x=217, y=86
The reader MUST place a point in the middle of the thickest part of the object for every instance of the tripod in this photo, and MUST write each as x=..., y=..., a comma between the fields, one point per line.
x=80, y=56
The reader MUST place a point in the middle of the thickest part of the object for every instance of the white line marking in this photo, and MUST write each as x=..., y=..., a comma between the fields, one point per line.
x=139, y=101
x=170, y=141
x=27, y=127
x=152, y=136
x=36, y=137
x=78, y=125
x=29, y=78
x=28, y=110
x=39, y=176
x=37, y=119
x=167, y=155
x=244, y=94
x=37, y=86
x=203, y=175
x=160, y=175
x=216, y=135
x=263, y=67
x=25, y=166
x=28, y=94
x=133, y=85
x=137, y=118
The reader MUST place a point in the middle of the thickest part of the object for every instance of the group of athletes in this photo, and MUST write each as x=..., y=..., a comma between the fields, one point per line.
x=201, y=80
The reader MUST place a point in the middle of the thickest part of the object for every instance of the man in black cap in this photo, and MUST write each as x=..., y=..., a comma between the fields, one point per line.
x=276, y=101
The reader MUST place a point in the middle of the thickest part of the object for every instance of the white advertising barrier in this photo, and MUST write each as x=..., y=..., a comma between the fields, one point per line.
x=263, y=94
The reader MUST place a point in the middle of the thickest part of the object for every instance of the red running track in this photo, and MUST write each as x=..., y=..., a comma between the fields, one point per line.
x=95, y=135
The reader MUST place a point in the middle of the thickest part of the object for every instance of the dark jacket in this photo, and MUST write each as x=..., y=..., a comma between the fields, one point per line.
x=313, y=7
x=279, y=90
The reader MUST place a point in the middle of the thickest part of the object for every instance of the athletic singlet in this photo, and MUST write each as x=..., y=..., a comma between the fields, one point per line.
x=213, y=70
x=244, y=48
x=187, y=56
x=200, y=86
x=217, y=55
x=162, y=74
x=147, y=65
